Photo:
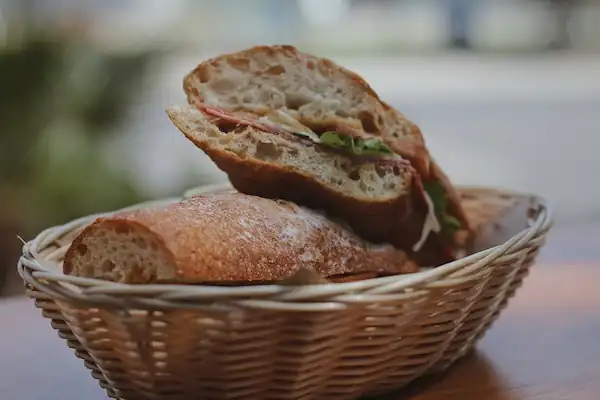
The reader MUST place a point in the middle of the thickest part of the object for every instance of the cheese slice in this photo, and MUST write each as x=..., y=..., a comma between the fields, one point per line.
x=289, y=124
x=431, y=224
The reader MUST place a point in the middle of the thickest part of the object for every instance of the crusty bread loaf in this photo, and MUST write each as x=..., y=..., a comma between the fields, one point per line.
x=318, y=93
x=495, y=217
x=377, y=198
x=227, y=237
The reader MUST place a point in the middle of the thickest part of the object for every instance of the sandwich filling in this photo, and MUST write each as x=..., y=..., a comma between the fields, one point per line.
x=431, y=224
x=280, y=123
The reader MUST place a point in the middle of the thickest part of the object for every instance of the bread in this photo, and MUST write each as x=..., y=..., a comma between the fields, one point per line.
x=319, y=94
x=224, y=237
x=376, y=197
x=496, y=217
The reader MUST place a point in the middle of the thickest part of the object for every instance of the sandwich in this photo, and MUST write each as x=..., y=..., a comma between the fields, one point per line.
x=287, y=125
x=226, y=238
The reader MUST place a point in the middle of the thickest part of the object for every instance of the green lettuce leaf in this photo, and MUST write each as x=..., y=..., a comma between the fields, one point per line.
x=451, y=224
x=355, y=146
x=440, y=205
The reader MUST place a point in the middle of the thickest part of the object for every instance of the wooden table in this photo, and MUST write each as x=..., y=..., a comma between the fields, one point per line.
x=546, y=346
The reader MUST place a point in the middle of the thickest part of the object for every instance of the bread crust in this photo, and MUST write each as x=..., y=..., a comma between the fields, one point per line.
x=235, y=237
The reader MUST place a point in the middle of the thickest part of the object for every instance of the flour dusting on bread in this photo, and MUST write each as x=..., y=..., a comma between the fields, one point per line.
x=223, y=237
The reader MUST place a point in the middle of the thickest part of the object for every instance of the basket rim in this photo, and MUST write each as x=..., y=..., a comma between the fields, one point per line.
x=34, y=272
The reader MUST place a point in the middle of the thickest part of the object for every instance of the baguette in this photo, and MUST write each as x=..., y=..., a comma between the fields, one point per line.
x=225, y=238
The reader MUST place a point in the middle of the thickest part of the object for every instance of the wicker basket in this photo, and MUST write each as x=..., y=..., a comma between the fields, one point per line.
x=337, y=341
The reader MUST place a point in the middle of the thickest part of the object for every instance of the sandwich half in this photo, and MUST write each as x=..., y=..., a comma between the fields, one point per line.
x=319, y=94
x=285, y=124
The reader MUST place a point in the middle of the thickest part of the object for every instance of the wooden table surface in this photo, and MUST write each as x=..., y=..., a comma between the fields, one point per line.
x=546, y=346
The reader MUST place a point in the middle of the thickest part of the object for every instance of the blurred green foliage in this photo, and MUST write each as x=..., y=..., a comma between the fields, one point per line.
x=61, y=103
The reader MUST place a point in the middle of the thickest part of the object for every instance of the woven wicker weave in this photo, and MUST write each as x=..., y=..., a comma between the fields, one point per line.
x=337, y=341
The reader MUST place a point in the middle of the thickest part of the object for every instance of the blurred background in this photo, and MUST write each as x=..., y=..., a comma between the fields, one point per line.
x=507, y=93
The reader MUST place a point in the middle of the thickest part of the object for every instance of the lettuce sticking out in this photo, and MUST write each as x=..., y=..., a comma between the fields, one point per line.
x=348, y=144
x=440, y=204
